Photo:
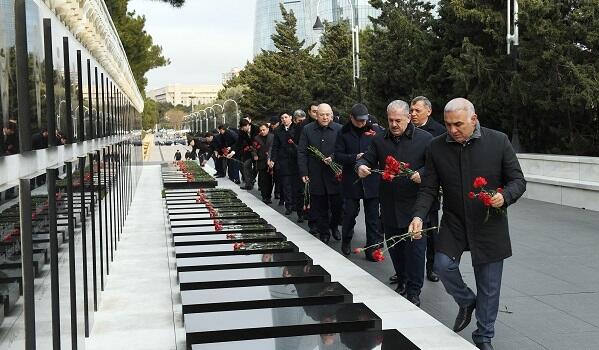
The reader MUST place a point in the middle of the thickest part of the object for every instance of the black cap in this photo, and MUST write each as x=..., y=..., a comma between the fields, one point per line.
x=359, y=112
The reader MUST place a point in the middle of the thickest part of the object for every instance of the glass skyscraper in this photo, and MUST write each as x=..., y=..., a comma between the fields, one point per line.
x=268, y=13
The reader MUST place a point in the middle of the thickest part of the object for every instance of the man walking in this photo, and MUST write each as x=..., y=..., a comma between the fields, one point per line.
x=325, y=203
x=421, y=109
x=353, y=140
x=406, y=143
x=453, y=162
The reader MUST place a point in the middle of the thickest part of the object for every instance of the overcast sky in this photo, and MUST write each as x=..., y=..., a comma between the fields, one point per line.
x=203, y=39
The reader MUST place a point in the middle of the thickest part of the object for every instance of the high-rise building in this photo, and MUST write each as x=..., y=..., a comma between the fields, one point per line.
x=186, y=95
x=268, y=13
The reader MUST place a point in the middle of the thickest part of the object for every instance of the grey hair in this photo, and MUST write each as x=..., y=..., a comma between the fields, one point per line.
x=424, y=100
x=299, y=113
x=460, y=104
x=399, y=106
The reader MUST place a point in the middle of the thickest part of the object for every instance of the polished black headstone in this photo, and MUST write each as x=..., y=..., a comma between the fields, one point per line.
x=220, y=326
x=192, y=200
x=251, y=228
x=252, y=277
x=9, y=294
x=242, y=261
x=223, y=238
x=230, y=249
x=389, y=339
x=192, y=205
x=206, y=216
x=281, y=295
x=224, y=222
x=203, y=210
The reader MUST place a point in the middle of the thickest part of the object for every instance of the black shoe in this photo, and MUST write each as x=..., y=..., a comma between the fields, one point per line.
x=219, y=175
x=336, y=234
x=313, y=232
x=325, y=238
x=414, y=299
x=484, y=346
x=401, y=289
x=432, y=276
x=300, y=218
x=288, y=211
x=393, y=279
x=464, y=317
x=281, y=203
x=237, y=181
x=248, y=188
x=267, y=201
x=346, y=247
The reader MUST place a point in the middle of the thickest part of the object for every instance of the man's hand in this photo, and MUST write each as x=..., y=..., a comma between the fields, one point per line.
x=416, y=227
x=363, y=171
x=359, y=155
x=305, y=179
x=416, y=177
x=271, y=164
x=328, y=160
x=497, y=201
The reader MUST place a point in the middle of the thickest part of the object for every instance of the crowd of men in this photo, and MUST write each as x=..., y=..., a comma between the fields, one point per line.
x=298, y=157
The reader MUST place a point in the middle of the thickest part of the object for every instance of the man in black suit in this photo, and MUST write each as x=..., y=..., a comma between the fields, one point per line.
x=406, y=143
x=453, y=162
x=284, y=159
x=421, y=109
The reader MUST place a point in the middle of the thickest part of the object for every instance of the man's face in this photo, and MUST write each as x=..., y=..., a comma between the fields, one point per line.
x=209, y=138
x=459, y=126
x=325, y=114
x=286, y=119
x=221, y=131
x=398, y=122
x=299, y=120
x=245, y=128
x=358, y=123
x=264, y=130
x=313, y=112
x=45, y=134
x=420, y=113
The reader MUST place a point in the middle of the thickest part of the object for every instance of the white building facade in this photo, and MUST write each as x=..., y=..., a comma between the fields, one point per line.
x=186, y=95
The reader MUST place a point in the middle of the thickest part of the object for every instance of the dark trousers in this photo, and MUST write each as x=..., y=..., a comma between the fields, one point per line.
x=488, y=286
x=233, y=170
x=291, y=193
x=219, y=165
x=351, y=208
x=265, y=183
x=278, y=182
x=430, y=241
x=327, y=212
x=249, y=174
x=408, y=260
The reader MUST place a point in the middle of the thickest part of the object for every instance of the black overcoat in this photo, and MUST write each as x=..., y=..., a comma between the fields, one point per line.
x=322, y=177
x=284, y=153
x=454, y=166
x=397, y=198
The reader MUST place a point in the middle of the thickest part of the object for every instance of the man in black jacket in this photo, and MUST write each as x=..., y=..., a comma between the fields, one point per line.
x=284, y=158
x=421, y=109
x=453, y=162
x=353, y=140
x=406, y=143
x=324, y=186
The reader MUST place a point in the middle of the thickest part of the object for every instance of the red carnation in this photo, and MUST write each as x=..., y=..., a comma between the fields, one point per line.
x=290, y=141
x=499, y=190
x=378, y=255
x=387, y=176
x=471, y=195
x=339, y=177
x=238, y=246
x=479, y=182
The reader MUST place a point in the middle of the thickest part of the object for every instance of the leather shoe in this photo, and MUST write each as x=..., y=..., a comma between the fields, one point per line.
x=313, y=232
x=464, y=317
x=336, y=234
x=414, y=299
x=346, y=247
x=288, y=211
x=401, y=289
x=393, y=279
x=281, y=203
x=300, y=218
x=484, y=346
x=432, y=276
x=325, y=238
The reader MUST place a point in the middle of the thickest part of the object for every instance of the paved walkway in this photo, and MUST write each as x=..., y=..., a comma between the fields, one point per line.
x=136, y=309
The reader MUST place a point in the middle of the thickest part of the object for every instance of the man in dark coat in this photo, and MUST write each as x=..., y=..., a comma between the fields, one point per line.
x=406, y=143
x=241, y=152
x=227, y=142
x=263, y=150
x=353, y=140
x=177, y=155
x=325, y=198
x=421, y=109
x=39, y=140
x=453, y=161
x=284, y=159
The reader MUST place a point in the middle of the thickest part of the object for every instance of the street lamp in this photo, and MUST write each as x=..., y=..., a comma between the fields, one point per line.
x=222, y=109
x=512, y=51
x=236, y=109
x=214, y=114
x=355, y=42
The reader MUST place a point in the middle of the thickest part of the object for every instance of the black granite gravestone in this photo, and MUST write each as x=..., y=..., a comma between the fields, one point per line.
x=242, y=261
x=231, y=249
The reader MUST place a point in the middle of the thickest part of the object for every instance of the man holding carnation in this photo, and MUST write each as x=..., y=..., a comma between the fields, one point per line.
x=480, y=175
x=399, y=156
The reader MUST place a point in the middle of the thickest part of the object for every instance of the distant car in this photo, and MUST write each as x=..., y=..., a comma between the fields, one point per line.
x=168, y=142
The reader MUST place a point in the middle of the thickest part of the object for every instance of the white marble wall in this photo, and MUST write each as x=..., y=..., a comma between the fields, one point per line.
x=565, y=180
